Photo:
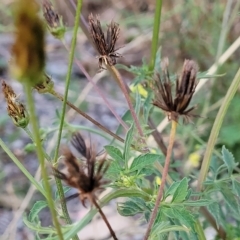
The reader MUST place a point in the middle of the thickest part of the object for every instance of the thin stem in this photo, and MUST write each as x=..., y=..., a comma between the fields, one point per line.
x=216, y=128
x=60, y=97
x=97, y=89
x=155, y=36
x=212, y=221
x=157, y=136
x=104, y=218
x=164, y=177
x=199, y=231
x=70, y=64
x=40, y=154
x=59, y=187
x=117, y=76
x=22, y=168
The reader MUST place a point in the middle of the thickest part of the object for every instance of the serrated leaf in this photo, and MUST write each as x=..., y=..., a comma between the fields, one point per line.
x=179, y=214
x=184, y=217
x=143, y=161
x=130, y=208
x=115, y=153
x=37, y=227
x=172, y=189
x=228, y=160
x=214, y=209
x=230, y=199
x=181, y=191
x=113, y=170
x=164, y=227
x=37, y=207
x=198, y=203
x=128, y=142
x=236, y=187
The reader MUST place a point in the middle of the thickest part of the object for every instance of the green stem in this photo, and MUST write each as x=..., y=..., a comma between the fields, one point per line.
x=199, y=231
x=164, y=178
x=155, y=36
x=71, y=57
x=59, y=187
x=89, y=216
x=40, y=154
x=22, y=168
x=216, y=128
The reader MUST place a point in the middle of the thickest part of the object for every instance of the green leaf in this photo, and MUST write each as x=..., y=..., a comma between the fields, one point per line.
x=131, y=207
x=236, y=187
x=181, y=192
x=214, y=209
x=113, y=170
x=198, y=203
x=30, y=147
x=230, y=199
x=164, y=227
x=128, y=143
x=177, y=213
x=143, y=161
x=115, y=153
x=37, y=207
x=228, y=160
x=137, y=102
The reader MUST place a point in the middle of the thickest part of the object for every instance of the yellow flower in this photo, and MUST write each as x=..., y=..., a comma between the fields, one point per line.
x=194, y=159
x=142, y=91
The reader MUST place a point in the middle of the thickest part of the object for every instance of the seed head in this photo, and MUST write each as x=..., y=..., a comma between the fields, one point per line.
x=86, y=179
x=46, y=85
x=104, y=45
x=28, y=48
x=16, y=110
x=53, y=20
x=185, y=88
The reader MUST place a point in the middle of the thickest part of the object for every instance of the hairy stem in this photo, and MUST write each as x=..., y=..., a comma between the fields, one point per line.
x=40, y=154
x=216, y=128
x=155, y=36
x=104, y=218
x=164, y=177
x=71, y=57
x=60, y=97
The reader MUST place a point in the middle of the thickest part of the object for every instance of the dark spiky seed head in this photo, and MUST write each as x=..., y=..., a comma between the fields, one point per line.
x=105, y=45
x=87, y=179
x=185, y=88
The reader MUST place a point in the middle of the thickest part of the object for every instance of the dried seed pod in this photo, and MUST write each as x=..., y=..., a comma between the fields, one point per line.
x=87, y=179
x=16, y=110
x=104, y=45
x=53, y=20
x=185, y=87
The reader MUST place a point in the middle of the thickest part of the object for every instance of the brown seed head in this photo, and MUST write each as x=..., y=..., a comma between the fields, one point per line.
x=87, y=179
x=185, y=88
x=28, y=48
x=104, y=45
x=53, y=20
x=16, y=109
